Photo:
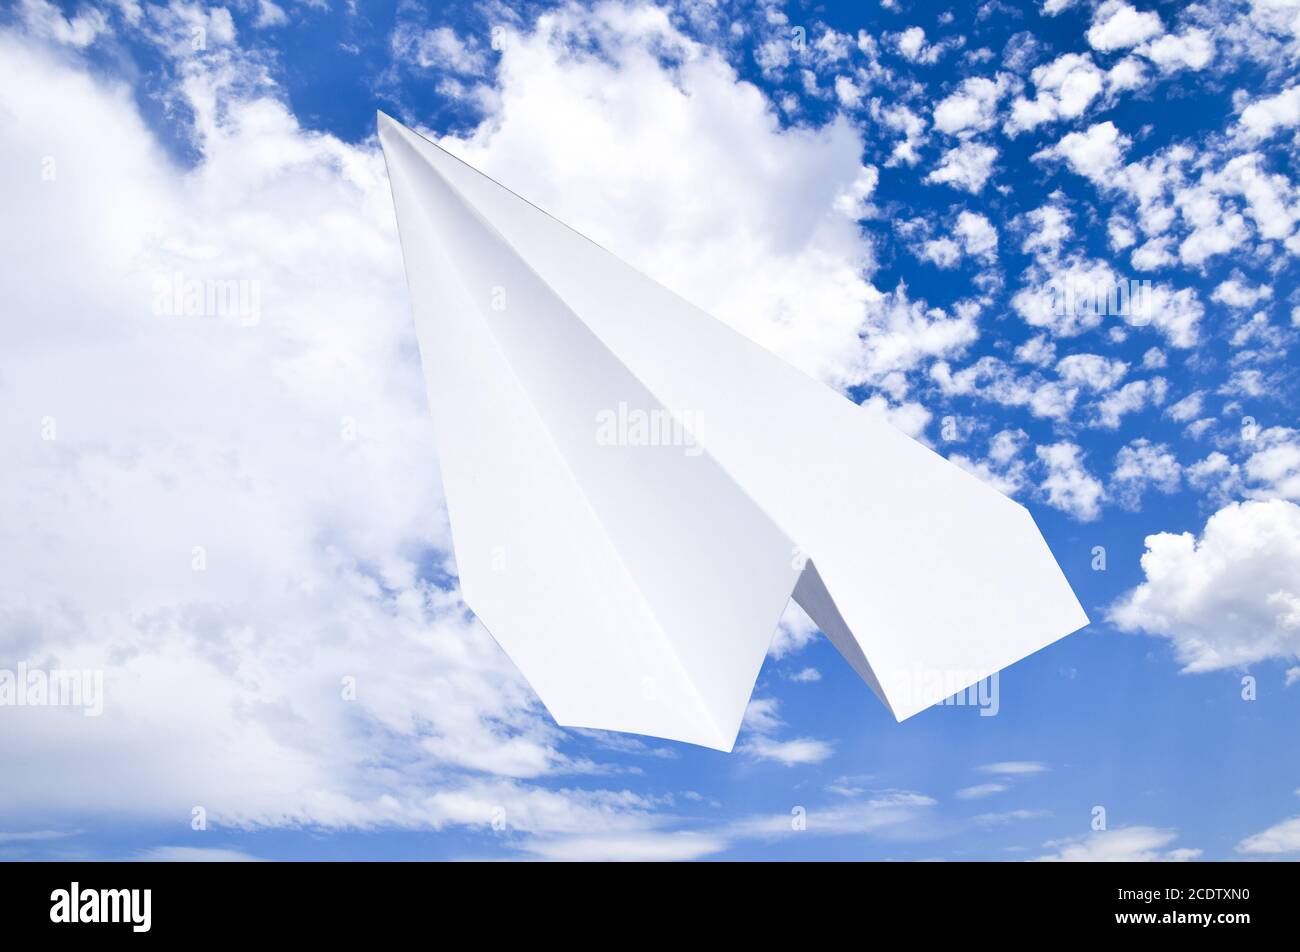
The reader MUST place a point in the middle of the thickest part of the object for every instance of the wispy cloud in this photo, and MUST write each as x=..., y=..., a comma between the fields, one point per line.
x=193, y=854
x=1133, y=844
x=1014, y=768
x=980, y=790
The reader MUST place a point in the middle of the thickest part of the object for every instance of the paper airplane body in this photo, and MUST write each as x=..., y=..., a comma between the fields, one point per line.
x=636, y=490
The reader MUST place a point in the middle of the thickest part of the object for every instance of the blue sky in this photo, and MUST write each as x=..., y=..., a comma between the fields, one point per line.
x=230, y=515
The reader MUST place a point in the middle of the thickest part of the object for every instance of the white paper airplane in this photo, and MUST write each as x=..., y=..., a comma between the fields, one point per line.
x=636, y=490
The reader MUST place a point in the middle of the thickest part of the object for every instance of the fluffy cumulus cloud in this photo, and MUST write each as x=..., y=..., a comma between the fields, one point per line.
x=1271, y=469
x=972, y=107
x=1063, y=89
x=966, y=167
x=1068, y=485
x=972, y=235
x=1185, y=214
x=782, y=205
x=1228, y=597
x=225, y=649
x=1192, y=49
x=1140, y=466
x=261, y=594
x=1117, y=26
x=1265, y=116
x=1094, y=154
x=978, y=236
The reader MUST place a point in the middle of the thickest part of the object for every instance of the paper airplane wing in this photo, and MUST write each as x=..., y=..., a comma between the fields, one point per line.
x=636, y=490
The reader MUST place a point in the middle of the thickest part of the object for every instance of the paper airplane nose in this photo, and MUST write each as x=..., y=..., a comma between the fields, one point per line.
x=636, y=490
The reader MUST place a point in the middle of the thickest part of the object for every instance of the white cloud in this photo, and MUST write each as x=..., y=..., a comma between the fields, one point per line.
x=1119, y=232
x=1049, y=229
x=562, y=139
x=1142, y=465
x=1153, y=254
x=911, y=43
x=833, y=45
x=1234, y=292
x=1278, y=839
x=761, y=723
x=1057, y=291
x=193, y=854
x=941, y=252
x=1272, y=471
x=971, y=234
x=912, y=46
x=773, y=54
x=978, y=236
x=1272, y=200
x=980, y=790
x=1132, y=844
x=1068, y=485
x=648, y=847
x=1188, y=408
x=971, y=108
x=149, y=465
x=1116, y=26
x=1192, y=49
x=44, y=19
x=1038, y=350
x=1007, y=816
x=1215, y=230
x=178, y=26
x=848, y=92
x=440, y=47
x=223, y=424
x=967, y=166
x=892, y=812
x=1005, y=445
x=1176, y=314
x=1130, y=398
x=1228, y=598
x=793, y=633
x=1129, y=73
x=269, y=14
x=910, y=417
x=900, y=333
x=1095, y=154
x=1264, y=117
x=1248, y=382
x=1216, y=475
x=901, y=119
x=1003, y=470
x=1064, y=88
x=801, y=750
x=1092, y=371
x=1014, y=768
x=990, y=378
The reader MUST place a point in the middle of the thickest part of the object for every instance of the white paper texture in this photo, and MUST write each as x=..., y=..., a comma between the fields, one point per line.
x=636, y=490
